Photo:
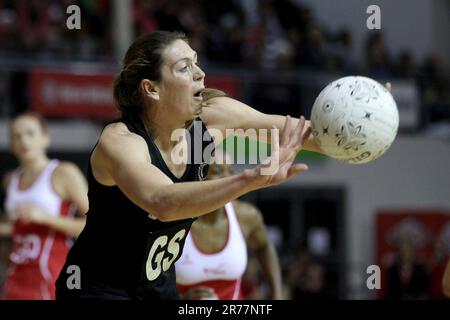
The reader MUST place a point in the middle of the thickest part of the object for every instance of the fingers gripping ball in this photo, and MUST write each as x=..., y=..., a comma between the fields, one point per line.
x=354, y=119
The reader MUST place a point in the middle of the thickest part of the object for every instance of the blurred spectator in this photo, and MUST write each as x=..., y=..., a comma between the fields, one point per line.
x=8, y=28
x=144, y=16
x=314, y=284
x=435, y=83
x=37, y=28
x=187, y=16
x=405, y=66
x=224, y=21
x=378, y=62
x=437, y=268
x=438, y=262
x=407, y=277
x=338, y=51
x=314, y=54
x=267, y=46
x=446, y=280
x=307, y=279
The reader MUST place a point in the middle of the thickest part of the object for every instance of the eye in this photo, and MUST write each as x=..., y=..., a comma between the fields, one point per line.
x=187, y=67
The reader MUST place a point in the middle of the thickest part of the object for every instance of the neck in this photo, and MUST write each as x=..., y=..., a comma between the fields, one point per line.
x=212, y=217
x=36, y=164
x=161, y=126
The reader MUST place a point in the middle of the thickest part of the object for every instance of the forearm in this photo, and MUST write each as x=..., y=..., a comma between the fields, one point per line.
x=192, y=199
x=270, y=265
x=225, y=113
x=70, y=226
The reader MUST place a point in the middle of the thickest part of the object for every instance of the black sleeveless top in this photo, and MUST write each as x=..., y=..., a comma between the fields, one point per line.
x=123, y=251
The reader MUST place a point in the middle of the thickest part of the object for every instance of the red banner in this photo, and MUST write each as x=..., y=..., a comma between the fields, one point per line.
x=65, y=94
x=428, y=232
x=57, y=93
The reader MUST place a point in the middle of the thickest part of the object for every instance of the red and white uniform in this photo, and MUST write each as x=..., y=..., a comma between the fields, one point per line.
x=221, y=270
x=38, y=252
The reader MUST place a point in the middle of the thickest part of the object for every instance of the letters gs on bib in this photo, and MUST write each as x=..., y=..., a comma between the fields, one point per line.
x=163, y=253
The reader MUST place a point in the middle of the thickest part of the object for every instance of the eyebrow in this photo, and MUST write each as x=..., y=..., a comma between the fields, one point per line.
x=186, y=58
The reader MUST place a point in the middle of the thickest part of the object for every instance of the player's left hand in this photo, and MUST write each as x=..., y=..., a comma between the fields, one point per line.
x=31, y=214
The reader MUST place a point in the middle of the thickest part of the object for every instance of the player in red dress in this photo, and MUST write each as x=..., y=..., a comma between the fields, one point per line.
x=43, y=197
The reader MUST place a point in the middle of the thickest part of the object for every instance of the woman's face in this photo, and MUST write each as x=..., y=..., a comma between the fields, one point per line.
x=28, y=140
x=181, y=81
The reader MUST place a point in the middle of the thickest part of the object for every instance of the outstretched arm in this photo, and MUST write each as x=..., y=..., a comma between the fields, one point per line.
x=221, y=112
x=259, y=243
x=224, y=113
x=124, y=161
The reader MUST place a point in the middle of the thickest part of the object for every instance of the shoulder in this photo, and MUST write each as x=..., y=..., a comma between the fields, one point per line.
x=117, y=134
x=246, y=208
x=66, y=169
x=67, y=178
x=116, y=140
x=247, y=213
x=252, y=223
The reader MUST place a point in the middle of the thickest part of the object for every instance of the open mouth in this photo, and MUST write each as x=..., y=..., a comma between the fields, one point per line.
x=198, y=95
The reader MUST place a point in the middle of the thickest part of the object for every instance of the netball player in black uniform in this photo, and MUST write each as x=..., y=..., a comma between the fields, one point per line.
x=142, y=203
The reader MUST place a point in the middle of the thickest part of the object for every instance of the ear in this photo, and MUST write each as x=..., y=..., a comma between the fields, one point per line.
x=150, y=89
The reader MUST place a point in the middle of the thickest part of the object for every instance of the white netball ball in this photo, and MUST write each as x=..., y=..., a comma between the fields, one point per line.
x=354, y=119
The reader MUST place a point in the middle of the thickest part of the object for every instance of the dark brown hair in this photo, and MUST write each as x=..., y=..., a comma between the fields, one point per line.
x=143, y=60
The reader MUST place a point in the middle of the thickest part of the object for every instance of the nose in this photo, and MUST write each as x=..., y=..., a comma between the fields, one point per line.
x=198, y=74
